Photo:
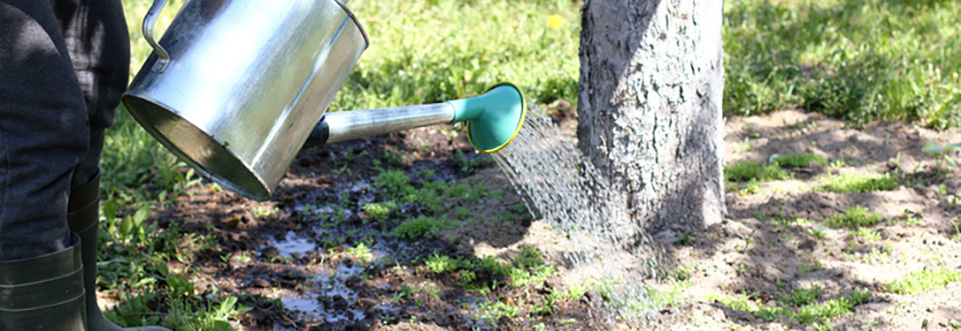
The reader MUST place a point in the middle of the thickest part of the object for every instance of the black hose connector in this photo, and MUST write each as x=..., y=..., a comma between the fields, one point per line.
x=319, y=135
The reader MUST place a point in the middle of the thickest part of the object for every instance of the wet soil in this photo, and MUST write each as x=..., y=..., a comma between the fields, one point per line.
x=293, y=258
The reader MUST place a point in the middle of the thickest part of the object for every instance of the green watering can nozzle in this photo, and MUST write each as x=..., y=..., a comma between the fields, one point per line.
x=494, y=118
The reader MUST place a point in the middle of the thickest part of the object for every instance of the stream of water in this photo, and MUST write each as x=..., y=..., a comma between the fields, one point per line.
x=571, y=196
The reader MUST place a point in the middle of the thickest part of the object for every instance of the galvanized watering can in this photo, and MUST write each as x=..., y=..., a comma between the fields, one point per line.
x=235, y=87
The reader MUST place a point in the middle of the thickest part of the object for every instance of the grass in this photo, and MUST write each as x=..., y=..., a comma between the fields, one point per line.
x=799, y=160
x=866, y=234
x=418, y=227
x=859, y=183
x=923, y=281
x=802, y=297
x=862, y=61
x=746, y=170
x=801, y=306
x=855, y=217
x=824, y=312
x=379, y=211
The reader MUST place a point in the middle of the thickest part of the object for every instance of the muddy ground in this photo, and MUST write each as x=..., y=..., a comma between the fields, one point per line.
x=293, y=258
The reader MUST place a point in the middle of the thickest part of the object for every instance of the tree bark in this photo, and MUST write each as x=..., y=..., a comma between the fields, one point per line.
x=649, y=109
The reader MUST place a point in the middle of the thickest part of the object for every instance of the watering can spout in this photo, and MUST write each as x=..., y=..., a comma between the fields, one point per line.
x=493, y=119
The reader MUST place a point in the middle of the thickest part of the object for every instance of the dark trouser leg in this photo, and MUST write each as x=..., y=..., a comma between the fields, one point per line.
x=44, y=130
x=95, y=34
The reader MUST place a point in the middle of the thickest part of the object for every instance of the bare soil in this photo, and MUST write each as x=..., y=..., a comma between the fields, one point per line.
x=296, y=278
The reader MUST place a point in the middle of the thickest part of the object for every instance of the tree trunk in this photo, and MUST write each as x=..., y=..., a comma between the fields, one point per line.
x=649, y=109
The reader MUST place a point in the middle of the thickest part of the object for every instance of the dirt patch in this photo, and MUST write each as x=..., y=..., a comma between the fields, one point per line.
x=295, y=258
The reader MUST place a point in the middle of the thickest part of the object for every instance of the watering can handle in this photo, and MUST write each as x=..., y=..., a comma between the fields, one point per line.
x=149, y=20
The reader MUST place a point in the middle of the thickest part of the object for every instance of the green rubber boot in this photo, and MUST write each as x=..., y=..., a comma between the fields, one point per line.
x=43, y=293
x=83, y=213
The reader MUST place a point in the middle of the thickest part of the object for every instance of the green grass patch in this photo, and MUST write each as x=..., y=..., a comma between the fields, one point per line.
x=416, y=58
x=799, y=160
x=858, y=60
x=442, y=263
x=859, y=183
x=418, y=227
x=361, y=252
x=866, y=234
x=801, y=297
x=548, y=304
x=379, y=211
x=923, y=281
x=768, y=313
x=746, y=170
x=801, y=306
x=526, y=269
x=823, y=313
x=393, y=181
x=747, y=188
x=855, y=217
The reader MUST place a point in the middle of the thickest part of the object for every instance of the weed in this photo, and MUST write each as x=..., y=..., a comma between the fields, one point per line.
x=379, y=211
x=800, y=160
x=494, y=310
x=941, y=154
x=394, y=181
x=361, y=252
x=406, y=291
x=751, y=187
x=923, y=281
x=467, y=165
x=745, y=170
x=441, y=263
x=805, y=268
x=801, y=297
x=907, y=218
x=244, y=258
x=837, y=164
x=808, y=309
x=766, y=312
x=817, y=232
x=743, y=145
x=431, y=289
x=547, y=305
x=875, y=255
x=824, y=312
x=528, y=268
x=867, y=235
x=261, y=211
x=687, y=239
x=859, y=183
x=855, y=217
x=416, y=228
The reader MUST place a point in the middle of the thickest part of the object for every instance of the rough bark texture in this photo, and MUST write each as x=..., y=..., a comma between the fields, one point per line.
x=649, y=108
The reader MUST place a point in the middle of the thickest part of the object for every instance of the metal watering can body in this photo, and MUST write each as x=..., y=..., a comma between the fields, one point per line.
x=235, y=88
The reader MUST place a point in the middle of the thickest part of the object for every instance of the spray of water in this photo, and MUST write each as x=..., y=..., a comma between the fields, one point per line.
x=570, y=195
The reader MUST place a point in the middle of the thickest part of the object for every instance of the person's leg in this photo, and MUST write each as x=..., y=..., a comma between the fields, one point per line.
x=96, y=37
x=43, y=136
x=95, y=34
x=44, y=130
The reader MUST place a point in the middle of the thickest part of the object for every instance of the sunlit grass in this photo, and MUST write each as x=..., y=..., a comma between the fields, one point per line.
x=859, y=183
x=855, y=217
x=745, y=170
x=859, y=60
x=923, y=281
